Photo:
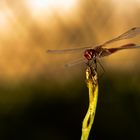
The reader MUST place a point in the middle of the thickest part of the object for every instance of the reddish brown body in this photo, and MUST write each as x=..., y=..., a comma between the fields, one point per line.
x=91, y=53
x=98, y=51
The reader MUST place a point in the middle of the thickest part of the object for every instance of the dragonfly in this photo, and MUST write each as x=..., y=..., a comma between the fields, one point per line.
x=92, y=53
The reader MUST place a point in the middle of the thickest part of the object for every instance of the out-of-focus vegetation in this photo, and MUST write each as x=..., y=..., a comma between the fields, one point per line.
x=36, y=91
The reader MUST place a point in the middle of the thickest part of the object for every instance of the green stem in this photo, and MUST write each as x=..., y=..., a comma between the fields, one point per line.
x=92, y=85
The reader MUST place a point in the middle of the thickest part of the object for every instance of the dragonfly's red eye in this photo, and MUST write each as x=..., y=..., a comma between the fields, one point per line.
x=88, y=54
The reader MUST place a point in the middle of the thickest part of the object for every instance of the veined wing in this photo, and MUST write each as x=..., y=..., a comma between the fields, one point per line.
x=73, y=50
x=75, y=62
x=128, y=34
x=109, y=51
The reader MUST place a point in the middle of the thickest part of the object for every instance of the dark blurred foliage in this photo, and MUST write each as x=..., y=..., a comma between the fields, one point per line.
x=58, y=117
x=42, y=100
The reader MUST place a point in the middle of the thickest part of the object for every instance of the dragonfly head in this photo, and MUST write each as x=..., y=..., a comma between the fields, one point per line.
x=89, y=54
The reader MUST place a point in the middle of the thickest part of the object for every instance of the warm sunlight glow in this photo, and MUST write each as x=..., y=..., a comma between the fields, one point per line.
x=126, y=4
x=3, y=21
x=40, y=6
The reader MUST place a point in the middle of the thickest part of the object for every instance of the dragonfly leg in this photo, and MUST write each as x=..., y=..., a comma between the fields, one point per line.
x=101, y=65
x=102, y=68
x=92, y=75
x=100, y=53
x=92, y=65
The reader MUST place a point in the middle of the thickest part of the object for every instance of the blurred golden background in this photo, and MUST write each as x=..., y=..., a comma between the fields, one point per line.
x=39, y=97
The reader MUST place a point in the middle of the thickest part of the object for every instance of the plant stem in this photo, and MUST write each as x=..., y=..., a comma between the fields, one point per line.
x=92, y=85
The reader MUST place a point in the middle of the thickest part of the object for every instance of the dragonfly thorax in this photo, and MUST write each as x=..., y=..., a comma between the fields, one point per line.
x=89, y=54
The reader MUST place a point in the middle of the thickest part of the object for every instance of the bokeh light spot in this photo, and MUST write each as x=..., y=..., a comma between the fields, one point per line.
x=39, y=6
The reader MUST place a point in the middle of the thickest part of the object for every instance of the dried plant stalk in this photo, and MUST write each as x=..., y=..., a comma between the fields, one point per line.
x=92, y=84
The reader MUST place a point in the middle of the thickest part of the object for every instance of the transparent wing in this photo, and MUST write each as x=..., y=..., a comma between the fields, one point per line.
x=109, y=51
x=73, y=50
x=128, y=34
x=75, y=62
